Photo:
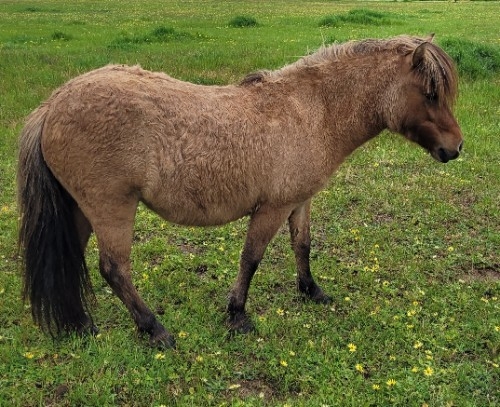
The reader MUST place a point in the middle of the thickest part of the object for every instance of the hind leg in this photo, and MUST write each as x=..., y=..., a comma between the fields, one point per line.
x=299, y=222
x=84, y=230
x=83, y=227
x=114, y=235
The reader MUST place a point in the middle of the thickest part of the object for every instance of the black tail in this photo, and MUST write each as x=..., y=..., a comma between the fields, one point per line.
x=56, y=278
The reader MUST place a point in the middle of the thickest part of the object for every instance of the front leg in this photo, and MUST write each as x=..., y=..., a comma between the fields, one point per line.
x=299, y=222
x=263, y=226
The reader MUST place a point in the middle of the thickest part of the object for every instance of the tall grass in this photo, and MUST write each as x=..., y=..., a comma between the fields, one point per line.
x=475, y=60
x=356, y=16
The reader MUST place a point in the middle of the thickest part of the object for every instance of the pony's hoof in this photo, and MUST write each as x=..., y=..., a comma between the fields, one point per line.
x=87, y=328
x=162, y=340
x=93, y=330
x=322, y=298
x=315, y=294
x=240, y=324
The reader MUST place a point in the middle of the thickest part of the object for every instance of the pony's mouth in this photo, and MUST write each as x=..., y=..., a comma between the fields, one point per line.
x=443, y=155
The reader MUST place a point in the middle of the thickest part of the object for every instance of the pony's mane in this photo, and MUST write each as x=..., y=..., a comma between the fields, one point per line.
x=436, y=70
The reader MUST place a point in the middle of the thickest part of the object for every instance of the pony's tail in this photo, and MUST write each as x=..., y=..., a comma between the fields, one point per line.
x=56, y=278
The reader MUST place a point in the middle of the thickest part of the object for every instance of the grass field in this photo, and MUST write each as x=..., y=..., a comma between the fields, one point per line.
x=407, y=247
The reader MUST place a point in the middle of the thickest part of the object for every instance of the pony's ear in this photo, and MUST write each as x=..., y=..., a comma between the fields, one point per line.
x=430, y=38
x=419, y=54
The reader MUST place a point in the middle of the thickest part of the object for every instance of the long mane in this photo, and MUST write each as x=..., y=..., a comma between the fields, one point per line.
x=437, y=71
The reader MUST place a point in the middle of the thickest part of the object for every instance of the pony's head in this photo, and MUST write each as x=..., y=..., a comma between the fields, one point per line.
x=422, y=100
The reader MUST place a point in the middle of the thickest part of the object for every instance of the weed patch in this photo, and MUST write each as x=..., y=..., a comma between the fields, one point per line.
x=20, y=39
x=32, y=9
x=160, y=34
x=243, y=21
x=35, y=9
x=356, y=16
x=474, y=60
x=60, y=36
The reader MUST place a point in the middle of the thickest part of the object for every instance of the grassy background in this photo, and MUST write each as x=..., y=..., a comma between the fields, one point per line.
x=407, y=247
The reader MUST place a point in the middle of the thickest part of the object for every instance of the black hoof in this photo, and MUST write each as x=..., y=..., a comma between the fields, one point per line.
x=240, y=323
x=87, y=328
x=93, y=330
x=159, y=337
x=162, y=340
x=315, y=294
x=322, y=298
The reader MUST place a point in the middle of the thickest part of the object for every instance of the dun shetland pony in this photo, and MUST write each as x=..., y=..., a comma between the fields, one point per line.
x=207, y=155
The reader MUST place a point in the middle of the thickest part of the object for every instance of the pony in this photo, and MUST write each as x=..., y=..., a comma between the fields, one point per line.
x=208, y=155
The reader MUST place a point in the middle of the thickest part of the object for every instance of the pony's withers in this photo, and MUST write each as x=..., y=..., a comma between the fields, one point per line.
x=207, y=155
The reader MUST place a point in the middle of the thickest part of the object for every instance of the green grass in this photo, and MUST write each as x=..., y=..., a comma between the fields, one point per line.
x=243, y=21
x=407, y=247
x=474, y=59
x=356, y=16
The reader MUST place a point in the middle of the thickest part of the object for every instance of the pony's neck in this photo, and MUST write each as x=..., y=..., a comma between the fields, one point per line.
x=353, y=95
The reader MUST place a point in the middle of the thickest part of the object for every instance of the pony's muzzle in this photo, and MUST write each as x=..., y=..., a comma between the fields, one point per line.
x=444, y=155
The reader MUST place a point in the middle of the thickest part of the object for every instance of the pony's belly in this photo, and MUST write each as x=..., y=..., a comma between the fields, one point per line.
x=190, y=214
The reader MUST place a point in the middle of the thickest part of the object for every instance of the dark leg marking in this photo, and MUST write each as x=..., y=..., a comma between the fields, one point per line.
x=118, y=277
x=299, y=223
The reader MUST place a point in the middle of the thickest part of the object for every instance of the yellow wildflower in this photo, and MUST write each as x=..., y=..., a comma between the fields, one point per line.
x=428, y=371
x=284, y=363
x=352, y=347
x=29, y=355
x=390, y=382
x=359, y=367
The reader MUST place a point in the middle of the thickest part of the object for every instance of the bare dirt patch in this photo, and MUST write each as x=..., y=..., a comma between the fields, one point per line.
x=483, y=274
x=253, y=389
